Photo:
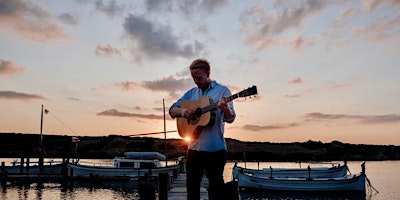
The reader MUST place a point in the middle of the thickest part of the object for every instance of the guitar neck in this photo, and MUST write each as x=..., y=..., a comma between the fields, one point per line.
x=233, y=97
x=213, y=106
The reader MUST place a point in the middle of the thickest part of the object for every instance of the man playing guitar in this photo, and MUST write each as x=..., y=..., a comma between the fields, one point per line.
x=207, y=148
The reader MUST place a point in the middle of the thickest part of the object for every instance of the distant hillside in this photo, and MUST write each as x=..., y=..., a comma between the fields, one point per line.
x=15, y=145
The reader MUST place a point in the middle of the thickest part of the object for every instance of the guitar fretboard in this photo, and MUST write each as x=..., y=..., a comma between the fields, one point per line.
x=213, y=106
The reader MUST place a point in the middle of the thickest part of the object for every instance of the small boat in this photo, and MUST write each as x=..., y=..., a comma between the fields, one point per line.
x=349, y=182
x=49, y=167
x=310, y=172
x=133, y=164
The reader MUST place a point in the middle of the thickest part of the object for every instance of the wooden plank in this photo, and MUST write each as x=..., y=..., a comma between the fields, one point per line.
x=178, y=188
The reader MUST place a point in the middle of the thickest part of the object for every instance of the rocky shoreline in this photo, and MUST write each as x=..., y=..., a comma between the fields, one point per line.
x=15, y=145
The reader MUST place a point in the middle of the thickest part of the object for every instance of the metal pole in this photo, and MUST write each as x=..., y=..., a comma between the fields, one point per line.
x=165, y=135
x=41, y=134
x=41, y=128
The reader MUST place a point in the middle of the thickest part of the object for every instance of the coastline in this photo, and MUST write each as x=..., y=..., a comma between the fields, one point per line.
x=16, y=145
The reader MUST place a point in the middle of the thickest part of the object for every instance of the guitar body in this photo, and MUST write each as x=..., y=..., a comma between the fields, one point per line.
x=192, y=128
x=205, y=109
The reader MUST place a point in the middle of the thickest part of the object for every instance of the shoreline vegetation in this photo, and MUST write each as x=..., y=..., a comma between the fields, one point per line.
x=17, y=145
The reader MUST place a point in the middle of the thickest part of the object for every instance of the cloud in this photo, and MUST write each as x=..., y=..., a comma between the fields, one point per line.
x=29, y=19
x=128, y=85
x=332, y=85
x=364, y=119
x=187, y=7
x=296, y=81
x=371, y=5
x=292, y=96
x=68, y=18
x=8, y=68
x=251, y=127
x=300, y=43
x=329, y=86
x=157, y=42
x=374, y=29
x=169, y=83
x=279, y=25
x=265, y=26
x=8, y=95
x=116, y=113
x=111, y=9
x=378, y=30
x=73, y=99
x=107, y=50
x=339, y=33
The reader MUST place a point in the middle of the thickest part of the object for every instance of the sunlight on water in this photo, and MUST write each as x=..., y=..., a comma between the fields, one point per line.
x=54, y=191
x=383, y=175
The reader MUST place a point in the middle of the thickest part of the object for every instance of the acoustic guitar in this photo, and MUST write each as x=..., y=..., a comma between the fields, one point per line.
x=205, y=109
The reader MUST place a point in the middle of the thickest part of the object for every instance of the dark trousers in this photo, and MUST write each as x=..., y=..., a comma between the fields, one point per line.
x=210, y=163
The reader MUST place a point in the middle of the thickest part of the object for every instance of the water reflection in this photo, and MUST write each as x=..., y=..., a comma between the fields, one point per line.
x=383, y=175
x=268, y=195
x=132, y=190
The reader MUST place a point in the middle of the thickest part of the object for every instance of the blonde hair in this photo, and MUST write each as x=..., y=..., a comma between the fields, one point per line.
x=202, y=64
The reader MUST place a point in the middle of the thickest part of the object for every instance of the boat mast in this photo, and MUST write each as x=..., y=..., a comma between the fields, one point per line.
x=41, y=127
x=41, y=132
x=165, y=135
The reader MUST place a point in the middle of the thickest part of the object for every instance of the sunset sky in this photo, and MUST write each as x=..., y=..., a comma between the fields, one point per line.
x=325, y=70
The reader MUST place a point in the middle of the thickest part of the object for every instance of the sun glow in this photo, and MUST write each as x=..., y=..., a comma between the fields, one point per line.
x=187, y=139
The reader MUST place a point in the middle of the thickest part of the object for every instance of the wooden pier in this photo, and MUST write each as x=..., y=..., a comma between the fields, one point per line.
x=178, y=188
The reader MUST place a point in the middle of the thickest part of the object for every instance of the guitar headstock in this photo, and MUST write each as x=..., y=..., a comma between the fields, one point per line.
x=248, y=92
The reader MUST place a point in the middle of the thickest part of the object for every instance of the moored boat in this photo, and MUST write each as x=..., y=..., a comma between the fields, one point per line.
x=349, y=182
x=133, y=164
x=310, y=172
x=49, y=167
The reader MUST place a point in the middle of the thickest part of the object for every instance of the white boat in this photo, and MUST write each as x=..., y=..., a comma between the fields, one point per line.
x=309, y=172
x=350, y=182
x=133, y=164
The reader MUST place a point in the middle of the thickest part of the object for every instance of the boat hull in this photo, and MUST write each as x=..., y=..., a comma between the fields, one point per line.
x=345, y=183
x=76, y=170
x=47, y=169
x=317, y=172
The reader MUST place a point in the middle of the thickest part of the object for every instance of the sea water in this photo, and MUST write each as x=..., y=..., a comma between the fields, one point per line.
x=384, y=176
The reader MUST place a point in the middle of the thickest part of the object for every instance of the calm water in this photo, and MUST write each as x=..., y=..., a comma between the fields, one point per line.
x=383, y=175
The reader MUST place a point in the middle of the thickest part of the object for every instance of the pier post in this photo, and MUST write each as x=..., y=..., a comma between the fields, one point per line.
x=41, y=171
x=182, y=165
x=163, y=186
x=147, y=191
x=27, y=164
x=41, y=168
x=270, y=172
x=363, y=168
x=21, y=165
x=3, y=175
